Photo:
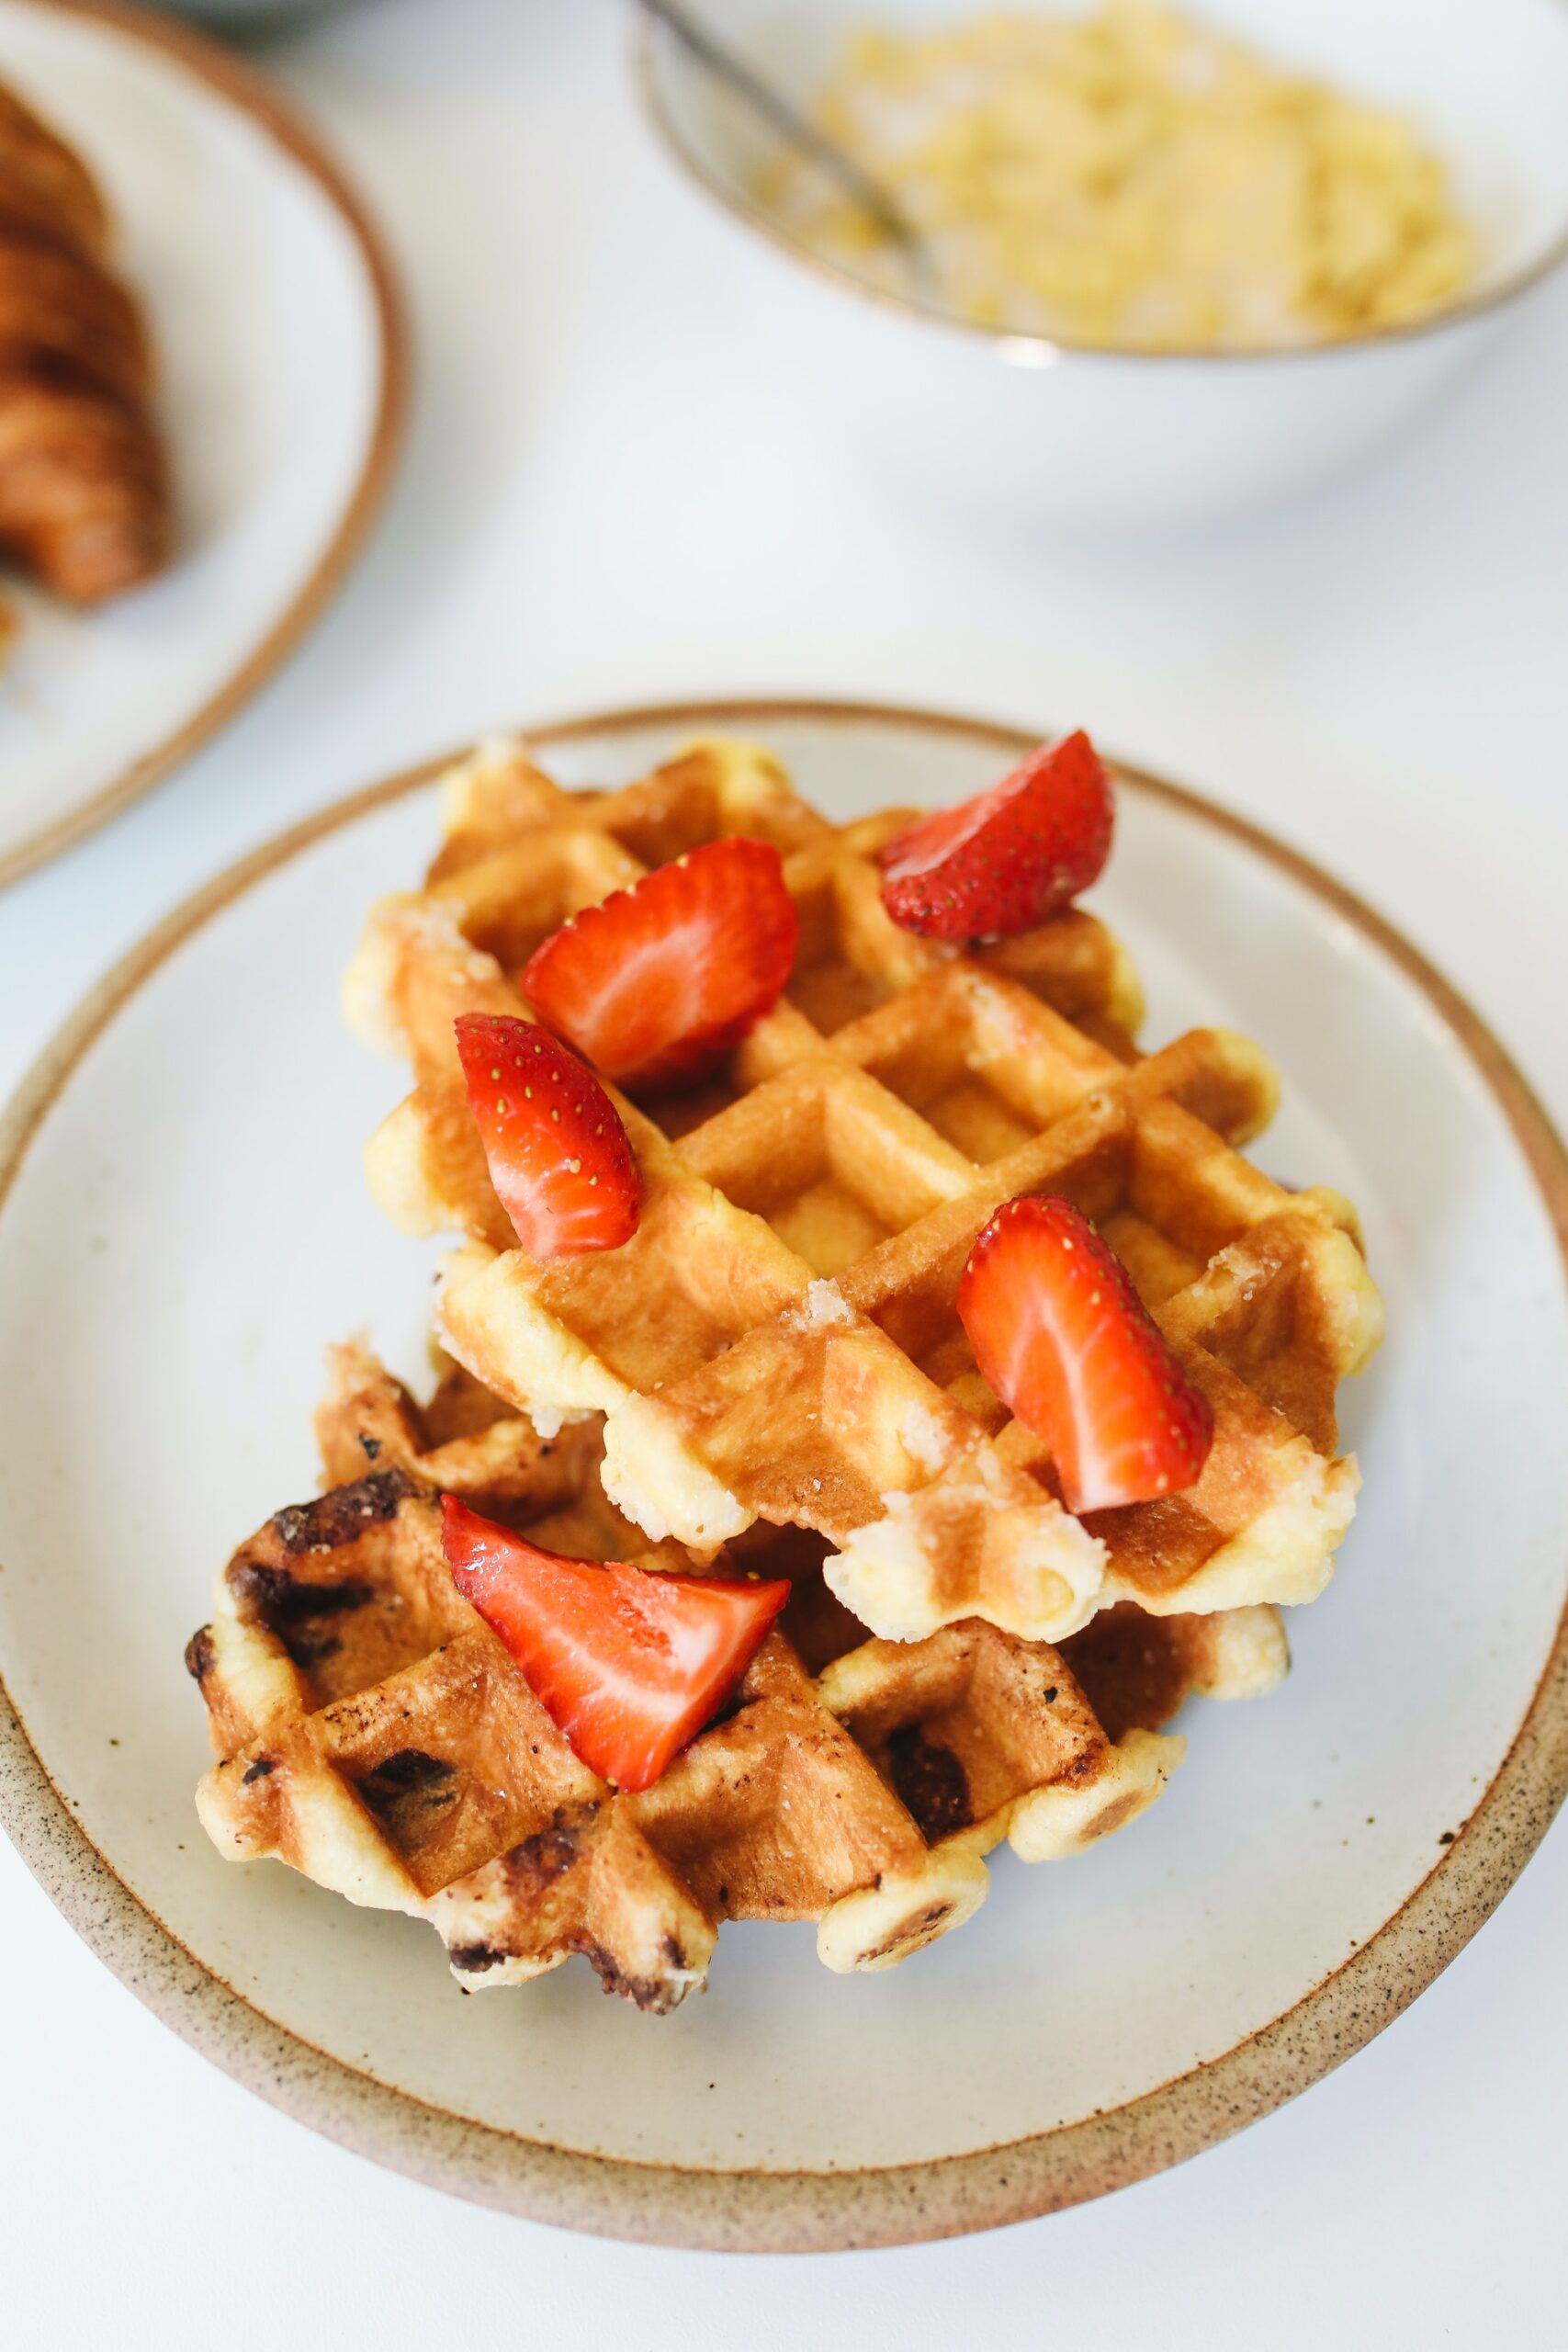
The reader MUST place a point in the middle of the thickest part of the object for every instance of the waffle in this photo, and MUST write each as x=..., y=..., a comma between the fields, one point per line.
x=373, y=1732
x=779, y=1343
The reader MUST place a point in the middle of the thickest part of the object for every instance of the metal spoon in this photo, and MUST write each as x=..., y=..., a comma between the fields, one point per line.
x=793, y=128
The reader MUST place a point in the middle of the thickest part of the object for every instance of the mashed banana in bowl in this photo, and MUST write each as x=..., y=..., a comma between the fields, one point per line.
x=1135, y=180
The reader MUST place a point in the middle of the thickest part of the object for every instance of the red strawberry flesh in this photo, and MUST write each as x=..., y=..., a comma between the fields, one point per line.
x=627, y=1664
x=1062, y=1338
x=656, y=984
x=558, y=1151
x=1013, y=856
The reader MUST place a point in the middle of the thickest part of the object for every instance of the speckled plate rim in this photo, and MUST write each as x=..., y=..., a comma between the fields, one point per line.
x=245, y=87
x=803, y=2212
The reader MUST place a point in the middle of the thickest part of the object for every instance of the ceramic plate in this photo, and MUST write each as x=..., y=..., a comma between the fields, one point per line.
x=280, y=358
x=186, y=1226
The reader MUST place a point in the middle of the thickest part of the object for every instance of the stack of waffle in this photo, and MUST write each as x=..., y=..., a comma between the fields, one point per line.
x=772, y=1376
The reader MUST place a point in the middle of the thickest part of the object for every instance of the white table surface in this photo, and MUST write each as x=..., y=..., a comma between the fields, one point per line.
x=605, y=500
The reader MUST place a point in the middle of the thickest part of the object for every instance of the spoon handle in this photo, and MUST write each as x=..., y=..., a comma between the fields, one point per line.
x=723, y=62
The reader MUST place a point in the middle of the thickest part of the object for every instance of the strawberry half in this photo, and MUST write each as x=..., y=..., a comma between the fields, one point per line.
x=1062, y=1338
x=657, y=983
x=559, y=1155
x=1009, y=858
x=627, y=1664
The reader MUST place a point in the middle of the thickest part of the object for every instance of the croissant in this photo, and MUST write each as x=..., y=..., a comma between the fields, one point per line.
x=84, y=500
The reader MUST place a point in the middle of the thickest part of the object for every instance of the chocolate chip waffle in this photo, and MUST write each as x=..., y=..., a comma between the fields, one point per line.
x=373, y=1734
x=779, y=1343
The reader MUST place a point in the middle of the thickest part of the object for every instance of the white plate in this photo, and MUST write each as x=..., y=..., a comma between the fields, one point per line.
x=281, y=371
x=185, y=1226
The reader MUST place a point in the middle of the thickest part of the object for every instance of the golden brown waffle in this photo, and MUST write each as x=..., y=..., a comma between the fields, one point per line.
x=779, y=1342
x=373, y=1734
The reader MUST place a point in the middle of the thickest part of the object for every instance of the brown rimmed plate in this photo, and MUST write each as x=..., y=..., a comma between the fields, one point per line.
x=283, y=372
x=172, y=1257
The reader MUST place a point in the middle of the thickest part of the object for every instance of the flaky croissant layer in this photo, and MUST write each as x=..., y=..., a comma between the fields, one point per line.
x=84, y=495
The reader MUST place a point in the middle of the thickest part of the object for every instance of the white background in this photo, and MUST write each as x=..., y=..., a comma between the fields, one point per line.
x=607, y=499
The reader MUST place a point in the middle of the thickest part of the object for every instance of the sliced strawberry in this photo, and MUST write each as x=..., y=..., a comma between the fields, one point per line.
x=629, y=1665
x=659, y=982
x=1009, y=858
x=558, y=1152
x=1064, y=1340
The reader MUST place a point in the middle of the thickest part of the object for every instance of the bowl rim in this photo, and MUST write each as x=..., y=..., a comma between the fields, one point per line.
x=797, y=2210
x=1023, y=345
